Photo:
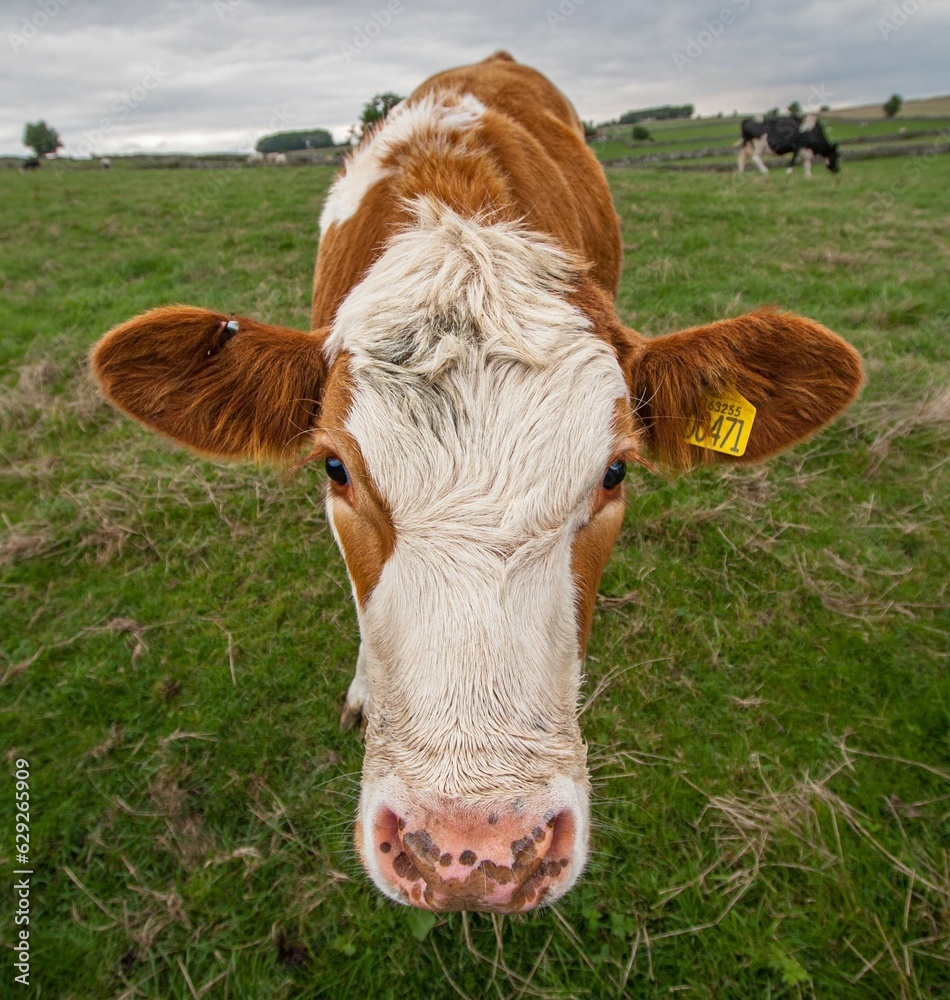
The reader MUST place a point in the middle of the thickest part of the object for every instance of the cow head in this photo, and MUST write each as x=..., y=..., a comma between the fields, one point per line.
x=475, y=403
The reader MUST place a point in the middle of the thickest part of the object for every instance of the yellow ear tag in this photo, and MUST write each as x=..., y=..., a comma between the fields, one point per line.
x=730, y=423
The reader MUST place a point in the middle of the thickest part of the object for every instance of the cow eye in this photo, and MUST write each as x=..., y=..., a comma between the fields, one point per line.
x=614, y=475
x=336, y=470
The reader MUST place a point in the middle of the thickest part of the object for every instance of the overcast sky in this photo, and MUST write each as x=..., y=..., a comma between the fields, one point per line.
x=204, y=75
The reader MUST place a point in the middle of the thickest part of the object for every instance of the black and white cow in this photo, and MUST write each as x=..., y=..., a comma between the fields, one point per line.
x=788, y=134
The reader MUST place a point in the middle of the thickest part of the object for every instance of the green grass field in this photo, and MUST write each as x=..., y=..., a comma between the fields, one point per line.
x=708, y=143
x=767, y=703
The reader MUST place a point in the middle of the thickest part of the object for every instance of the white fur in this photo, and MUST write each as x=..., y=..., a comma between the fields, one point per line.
x=484, y=408
x=434, y=114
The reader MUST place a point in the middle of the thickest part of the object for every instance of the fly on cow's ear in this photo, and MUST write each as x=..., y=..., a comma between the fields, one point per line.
x=229, y=328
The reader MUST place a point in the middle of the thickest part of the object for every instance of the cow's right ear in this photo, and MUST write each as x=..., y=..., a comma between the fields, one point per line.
x=225, y=386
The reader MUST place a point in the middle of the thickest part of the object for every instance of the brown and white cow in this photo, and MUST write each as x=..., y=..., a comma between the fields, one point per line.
x=475, y=399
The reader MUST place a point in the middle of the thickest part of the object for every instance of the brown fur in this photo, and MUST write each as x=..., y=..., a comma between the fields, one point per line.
x=256, y=394
x=362, y=519
x=590, y=551
x=796, y=373
x=537, y=141
x=526, y=161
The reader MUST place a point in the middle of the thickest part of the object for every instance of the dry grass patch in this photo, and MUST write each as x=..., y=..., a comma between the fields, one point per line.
x=752, y=831
x=185, y=837
x=23, y=404
x=832, y=257
x=893, y=421
x=22, y=542
x=869, y=596
x=112, y=516
x=37, y=470
x=33, y=401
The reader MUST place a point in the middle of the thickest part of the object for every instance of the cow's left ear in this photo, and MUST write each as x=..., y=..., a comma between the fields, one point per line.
x=228, y=387
x=797, y=374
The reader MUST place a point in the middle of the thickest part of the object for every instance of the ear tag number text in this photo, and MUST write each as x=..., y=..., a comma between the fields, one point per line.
x=730, y=423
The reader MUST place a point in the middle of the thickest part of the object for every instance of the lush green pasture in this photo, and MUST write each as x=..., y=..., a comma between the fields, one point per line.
x=676, y=139
x=767, y=702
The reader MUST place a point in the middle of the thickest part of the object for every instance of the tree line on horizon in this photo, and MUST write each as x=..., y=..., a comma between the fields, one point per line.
x=662, y=113
x=44, y=140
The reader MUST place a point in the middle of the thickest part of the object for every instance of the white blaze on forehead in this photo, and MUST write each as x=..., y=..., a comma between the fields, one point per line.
x=434, y=115
x=484, y=408
x=481, y=396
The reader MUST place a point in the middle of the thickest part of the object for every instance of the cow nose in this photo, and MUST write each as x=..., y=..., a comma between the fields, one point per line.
x=461, y=860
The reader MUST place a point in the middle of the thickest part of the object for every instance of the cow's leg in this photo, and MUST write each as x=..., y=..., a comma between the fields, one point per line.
x=758, y=147
x=742, y=155
x=357, y=696
x=807, y=156
x=791, y=166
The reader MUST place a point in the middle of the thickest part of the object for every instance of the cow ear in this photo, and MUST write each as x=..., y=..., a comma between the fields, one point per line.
x=228, y=387
x=796, y=373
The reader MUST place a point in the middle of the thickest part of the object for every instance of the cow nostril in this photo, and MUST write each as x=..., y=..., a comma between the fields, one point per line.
x=563, y=835
x=386, y=832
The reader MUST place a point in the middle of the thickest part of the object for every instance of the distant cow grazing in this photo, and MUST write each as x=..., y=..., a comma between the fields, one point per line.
x=789, y=134
x=32, y=163
x=475, y=400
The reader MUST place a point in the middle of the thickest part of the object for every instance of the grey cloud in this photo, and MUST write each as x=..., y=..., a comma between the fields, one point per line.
x=226, y=67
